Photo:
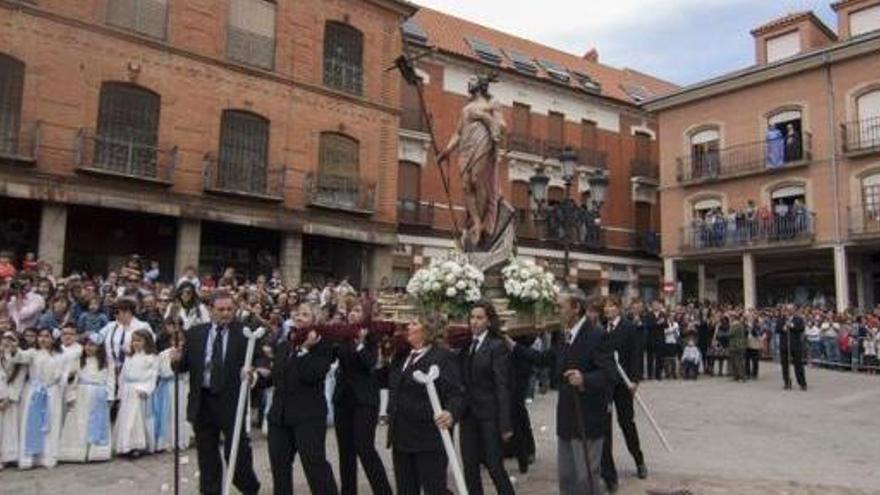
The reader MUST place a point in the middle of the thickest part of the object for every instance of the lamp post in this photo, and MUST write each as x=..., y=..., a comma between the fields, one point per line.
x=566, y=219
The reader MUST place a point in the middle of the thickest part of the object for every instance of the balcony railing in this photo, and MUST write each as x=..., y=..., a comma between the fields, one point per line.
x=22, y=144
x=792, y=228
x=864, y=221
x=744, y=159
x=340, y=193
x=525, y=143
x=587, y=235
x=646, y=241
x=647, y=168
x=861, y=136
x=254, y=180
x=121, y=157
x=413, y=213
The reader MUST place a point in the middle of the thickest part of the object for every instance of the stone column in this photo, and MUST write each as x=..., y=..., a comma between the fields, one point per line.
x=669, y=277
x=633, y=290
x=701, y=282
x=841, y=278
x=861, y=277
x=291, y=259
x=380, y=265
x=53, y=235
x=749, y=292
x=189, y=245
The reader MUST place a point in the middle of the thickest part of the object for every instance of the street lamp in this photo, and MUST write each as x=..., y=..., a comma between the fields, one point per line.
x=566, y=220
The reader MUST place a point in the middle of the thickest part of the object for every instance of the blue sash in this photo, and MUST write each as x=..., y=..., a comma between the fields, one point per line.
x=99, y=416
x=160, y=399
x=37, y=421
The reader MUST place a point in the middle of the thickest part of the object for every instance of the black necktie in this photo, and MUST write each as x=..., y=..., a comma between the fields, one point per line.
x=410, y=360
x=217, y=362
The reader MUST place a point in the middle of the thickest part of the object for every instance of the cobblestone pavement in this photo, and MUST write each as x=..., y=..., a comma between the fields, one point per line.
x=729, y=438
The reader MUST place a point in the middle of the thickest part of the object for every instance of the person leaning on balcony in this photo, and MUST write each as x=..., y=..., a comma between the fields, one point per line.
x=793, y=151
x=775, y=147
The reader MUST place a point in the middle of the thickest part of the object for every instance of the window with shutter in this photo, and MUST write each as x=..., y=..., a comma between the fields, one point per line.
x=338, y=170
x=343, y=57
x=244, y=152
x=148, y=17
x=128, y=129
x=555, y=133
x=250, y=38
x=11, y=88
x=409, y=176
x=589, y=135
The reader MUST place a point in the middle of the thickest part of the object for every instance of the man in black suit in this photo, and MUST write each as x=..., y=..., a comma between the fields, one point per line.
x=298, y=416
x=790, y=327
x=417, y=450
x=626, y=342
x=485, y=366
x=214, y=356
x=585, y=367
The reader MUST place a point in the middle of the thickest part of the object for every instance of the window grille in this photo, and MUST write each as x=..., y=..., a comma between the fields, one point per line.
x=11, y=88
x=127, y=133
x=343, y=57
x=244, y=152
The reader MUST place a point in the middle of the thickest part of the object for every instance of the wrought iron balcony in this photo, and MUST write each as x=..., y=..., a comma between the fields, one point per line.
x=744, y=159
x=646, y=241
x=792, y=228
x=254, y=180
x=647, y=168
x=525, y=143
x=340, y=193
x=22, y=144
x=864, y=221
x=128, y=157
x=586, y=235
x=414, y=213
x=861, y=137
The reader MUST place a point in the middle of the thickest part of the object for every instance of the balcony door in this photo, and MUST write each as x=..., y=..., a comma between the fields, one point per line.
x=789, y=125
x=705, y=146
x=409, y=176
x=338, y=170
x=244, y=152
x=128, y=130
x=868, y=108
x=871, y=203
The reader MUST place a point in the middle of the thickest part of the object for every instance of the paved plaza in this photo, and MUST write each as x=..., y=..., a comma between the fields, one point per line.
x=729, y=438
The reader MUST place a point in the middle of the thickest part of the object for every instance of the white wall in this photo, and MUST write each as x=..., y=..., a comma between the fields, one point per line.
x=783, y=46
x=541, y=99
x=864, y=21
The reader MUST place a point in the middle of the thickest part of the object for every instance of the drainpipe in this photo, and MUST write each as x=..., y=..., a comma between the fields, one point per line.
x=841, y=271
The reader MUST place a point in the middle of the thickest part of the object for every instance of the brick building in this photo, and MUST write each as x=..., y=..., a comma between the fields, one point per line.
x=770, y=176
x=552, y=101
x=251, y=133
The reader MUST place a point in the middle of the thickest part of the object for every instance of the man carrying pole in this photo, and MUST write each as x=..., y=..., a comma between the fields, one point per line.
x=585, y=363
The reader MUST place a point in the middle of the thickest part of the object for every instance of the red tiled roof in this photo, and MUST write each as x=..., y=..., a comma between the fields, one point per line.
x=449, y=33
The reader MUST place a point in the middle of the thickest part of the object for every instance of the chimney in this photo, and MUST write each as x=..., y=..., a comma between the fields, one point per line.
x=592, y=56
x=791, y=35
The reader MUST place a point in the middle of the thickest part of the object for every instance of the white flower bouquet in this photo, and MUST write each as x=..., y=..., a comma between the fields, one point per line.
x=529, y=287
x=449, y=284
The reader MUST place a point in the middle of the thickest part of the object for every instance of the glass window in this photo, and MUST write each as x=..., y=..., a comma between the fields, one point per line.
x=244, y=152
x=343, y=57
x=128, y=128
x=11, y=89
x=251, y=35
x=148, y=17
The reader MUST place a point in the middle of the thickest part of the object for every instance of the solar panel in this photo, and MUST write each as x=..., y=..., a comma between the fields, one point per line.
x=586, y=82
x=484, y=50
x=522, y=62
x=555, y=71
x=414, y=33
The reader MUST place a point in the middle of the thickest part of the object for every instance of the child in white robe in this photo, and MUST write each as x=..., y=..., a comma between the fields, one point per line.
x=85, y=436
x=163, y=397
x=43, y=401
x=10, y=411
x=133, y=433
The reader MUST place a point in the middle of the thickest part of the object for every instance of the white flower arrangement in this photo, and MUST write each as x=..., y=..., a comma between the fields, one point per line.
x=528, y=286
x=449, y=284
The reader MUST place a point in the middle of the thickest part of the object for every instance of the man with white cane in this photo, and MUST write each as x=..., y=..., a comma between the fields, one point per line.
x=215, y=357
x=584, y=363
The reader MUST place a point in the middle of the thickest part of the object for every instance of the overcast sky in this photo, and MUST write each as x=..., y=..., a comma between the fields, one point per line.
x=683, y=41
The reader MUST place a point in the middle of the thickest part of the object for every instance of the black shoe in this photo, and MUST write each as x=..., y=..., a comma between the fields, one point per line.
x=787, y=386
x=611, y=486
x=523, y=466
x=804, y=387
x=642, y=471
